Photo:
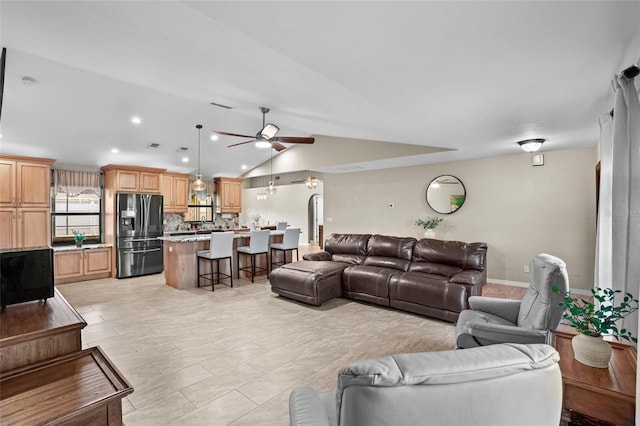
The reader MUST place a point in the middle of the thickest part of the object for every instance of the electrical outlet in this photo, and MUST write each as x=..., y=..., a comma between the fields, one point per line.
x=526, y=269
x=392, y=205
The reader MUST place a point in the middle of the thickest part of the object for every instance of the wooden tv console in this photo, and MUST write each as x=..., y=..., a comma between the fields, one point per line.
x=45, y=377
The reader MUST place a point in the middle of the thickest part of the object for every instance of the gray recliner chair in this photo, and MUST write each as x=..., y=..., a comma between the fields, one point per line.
x=493, y=320
x=496, y=385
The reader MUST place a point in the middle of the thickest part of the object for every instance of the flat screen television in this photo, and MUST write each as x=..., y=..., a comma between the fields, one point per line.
x=25, y=275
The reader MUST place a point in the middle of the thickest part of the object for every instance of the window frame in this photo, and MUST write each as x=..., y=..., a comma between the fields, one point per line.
x=67, y=240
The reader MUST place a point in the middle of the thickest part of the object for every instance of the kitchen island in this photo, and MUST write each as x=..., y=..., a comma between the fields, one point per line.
x=180, y=257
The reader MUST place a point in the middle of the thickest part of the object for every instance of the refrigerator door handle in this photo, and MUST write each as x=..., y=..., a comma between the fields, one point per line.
x=141, y=251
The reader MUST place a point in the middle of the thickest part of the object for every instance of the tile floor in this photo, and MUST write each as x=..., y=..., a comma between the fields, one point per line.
x=231, y=357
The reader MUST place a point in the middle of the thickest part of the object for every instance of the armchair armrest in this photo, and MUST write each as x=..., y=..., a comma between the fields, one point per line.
x=320, y=255
x=309, y=408
x=504, y=308
x=500, y=333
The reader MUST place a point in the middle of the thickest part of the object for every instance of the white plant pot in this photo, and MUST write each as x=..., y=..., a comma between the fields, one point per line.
x=429, y=233
x=592, y=351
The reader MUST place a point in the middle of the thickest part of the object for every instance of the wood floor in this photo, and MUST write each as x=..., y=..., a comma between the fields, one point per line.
x=232, y=357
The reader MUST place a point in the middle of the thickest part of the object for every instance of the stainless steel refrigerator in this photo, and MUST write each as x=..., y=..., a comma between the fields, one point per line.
x=139, y=251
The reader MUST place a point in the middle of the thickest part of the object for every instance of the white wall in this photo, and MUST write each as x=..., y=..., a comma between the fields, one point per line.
x=518, y=209
x=289, y=204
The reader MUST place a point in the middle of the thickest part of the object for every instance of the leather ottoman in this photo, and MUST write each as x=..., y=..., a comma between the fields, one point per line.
x=312, y=282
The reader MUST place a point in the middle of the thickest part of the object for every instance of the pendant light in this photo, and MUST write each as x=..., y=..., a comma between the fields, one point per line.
x=271, y=189
x=199, y=185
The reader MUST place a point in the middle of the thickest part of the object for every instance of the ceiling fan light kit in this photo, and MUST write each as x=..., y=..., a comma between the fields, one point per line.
x=531, y=145
x=269, y=131
x=266, y=137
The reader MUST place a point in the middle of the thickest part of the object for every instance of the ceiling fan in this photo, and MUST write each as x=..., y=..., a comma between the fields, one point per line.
x=266, y=137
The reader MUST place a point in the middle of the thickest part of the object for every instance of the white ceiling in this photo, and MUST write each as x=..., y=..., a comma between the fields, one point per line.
x=471, y=77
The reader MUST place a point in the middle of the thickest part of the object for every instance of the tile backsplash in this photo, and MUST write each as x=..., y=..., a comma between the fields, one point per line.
x=175, y=222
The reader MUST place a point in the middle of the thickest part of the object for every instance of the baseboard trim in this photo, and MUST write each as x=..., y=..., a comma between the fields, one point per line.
x=578, y=291
x=508, y=282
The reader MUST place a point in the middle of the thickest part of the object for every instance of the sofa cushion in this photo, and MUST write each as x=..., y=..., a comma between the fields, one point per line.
x=428, y=290
x=347, y=244
x=434, y=269
x=367, y=280
x=454, y=253
x=387, y=262
x=386, y=246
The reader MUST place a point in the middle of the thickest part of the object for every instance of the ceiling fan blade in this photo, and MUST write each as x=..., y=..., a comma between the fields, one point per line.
x=241, y=143
x=294, y=139
x=277, y=146
x=233, y=134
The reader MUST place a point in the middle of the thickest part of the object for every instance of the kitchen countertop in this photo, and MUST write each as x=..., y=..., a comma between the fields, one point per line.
x=204, y=237
x=84, y=246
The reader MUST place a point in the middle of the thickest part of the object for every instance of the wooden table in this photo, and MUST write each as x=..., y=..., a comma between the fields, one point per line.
x=606, y=394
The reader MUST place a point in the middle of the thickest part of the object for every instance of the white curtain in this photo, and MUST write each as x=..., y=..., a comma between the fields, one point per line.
x=618, y=241
x=73, y=182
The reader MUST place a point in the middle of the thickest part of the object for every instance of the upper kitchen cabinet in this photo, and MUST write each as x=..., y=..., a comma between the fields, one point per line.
x=228, y=195
x=175, y=190
x=25, y=181
x=25, y=200
x=133, y=179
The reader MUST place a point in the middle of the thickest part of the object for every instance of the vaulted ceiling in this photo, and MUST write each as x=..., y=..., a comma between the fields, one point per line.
x=456, y=80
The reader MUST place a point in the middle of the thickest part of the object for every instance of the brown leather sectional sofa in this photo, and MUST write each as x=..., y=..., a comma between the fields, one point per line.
x=429, y=277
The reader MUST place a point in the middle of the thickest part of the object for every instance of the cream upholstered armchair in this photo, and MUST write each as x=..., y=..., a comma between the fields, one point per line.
x=498, y=385
x=492, y=320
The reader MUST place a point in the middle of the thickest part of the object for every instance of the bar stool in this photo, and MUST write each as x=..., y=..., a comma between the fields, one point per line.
x=259, y=244
x=289, y=243
x=281, y=226
x=220, y=247
x=251, y=226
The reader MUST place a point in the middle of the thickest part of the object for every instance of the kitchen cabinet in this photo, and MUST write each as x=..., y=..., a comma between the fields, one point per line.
x=228, y=195
x=175, y=190
x=133, y=179
x=25, y=214
x=81, y=264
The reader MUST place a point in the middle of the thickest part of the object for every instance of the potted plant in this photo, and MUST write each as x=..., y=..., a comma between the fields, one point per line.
x=594, y=318
x=429, y=225
x=78, y=237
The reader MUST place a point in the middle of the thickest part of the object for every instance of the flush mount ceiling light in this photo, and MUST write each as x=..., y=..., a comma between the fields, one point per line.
x=136, y=120
x=531, y=145
x=198, y=185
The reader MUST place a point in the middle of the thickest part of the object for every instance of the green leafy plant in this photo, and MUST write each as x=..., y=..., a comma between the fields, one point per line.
x=430, y=223
x=583, y=315
x=77, y=235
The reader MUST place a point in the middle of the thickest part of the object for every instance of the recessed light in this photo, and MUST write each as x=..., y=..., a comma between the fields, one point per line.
x=114, y=150
x=185, y=159
x=244, y=167
x=214, y=137
x=136, y=120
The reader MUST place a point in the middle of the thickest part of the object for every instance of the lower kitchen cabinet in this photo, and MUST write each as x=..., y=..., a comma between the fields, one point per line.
x=81, y=264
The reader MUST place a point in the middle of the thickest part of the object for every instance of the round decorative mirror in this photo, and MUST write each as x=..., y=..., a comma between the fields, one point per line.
x=446, y=194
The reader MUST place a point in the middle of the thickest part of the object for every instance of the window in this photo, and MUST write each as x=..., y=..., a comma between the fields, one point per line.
x=77, y=206
x=200, y=209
